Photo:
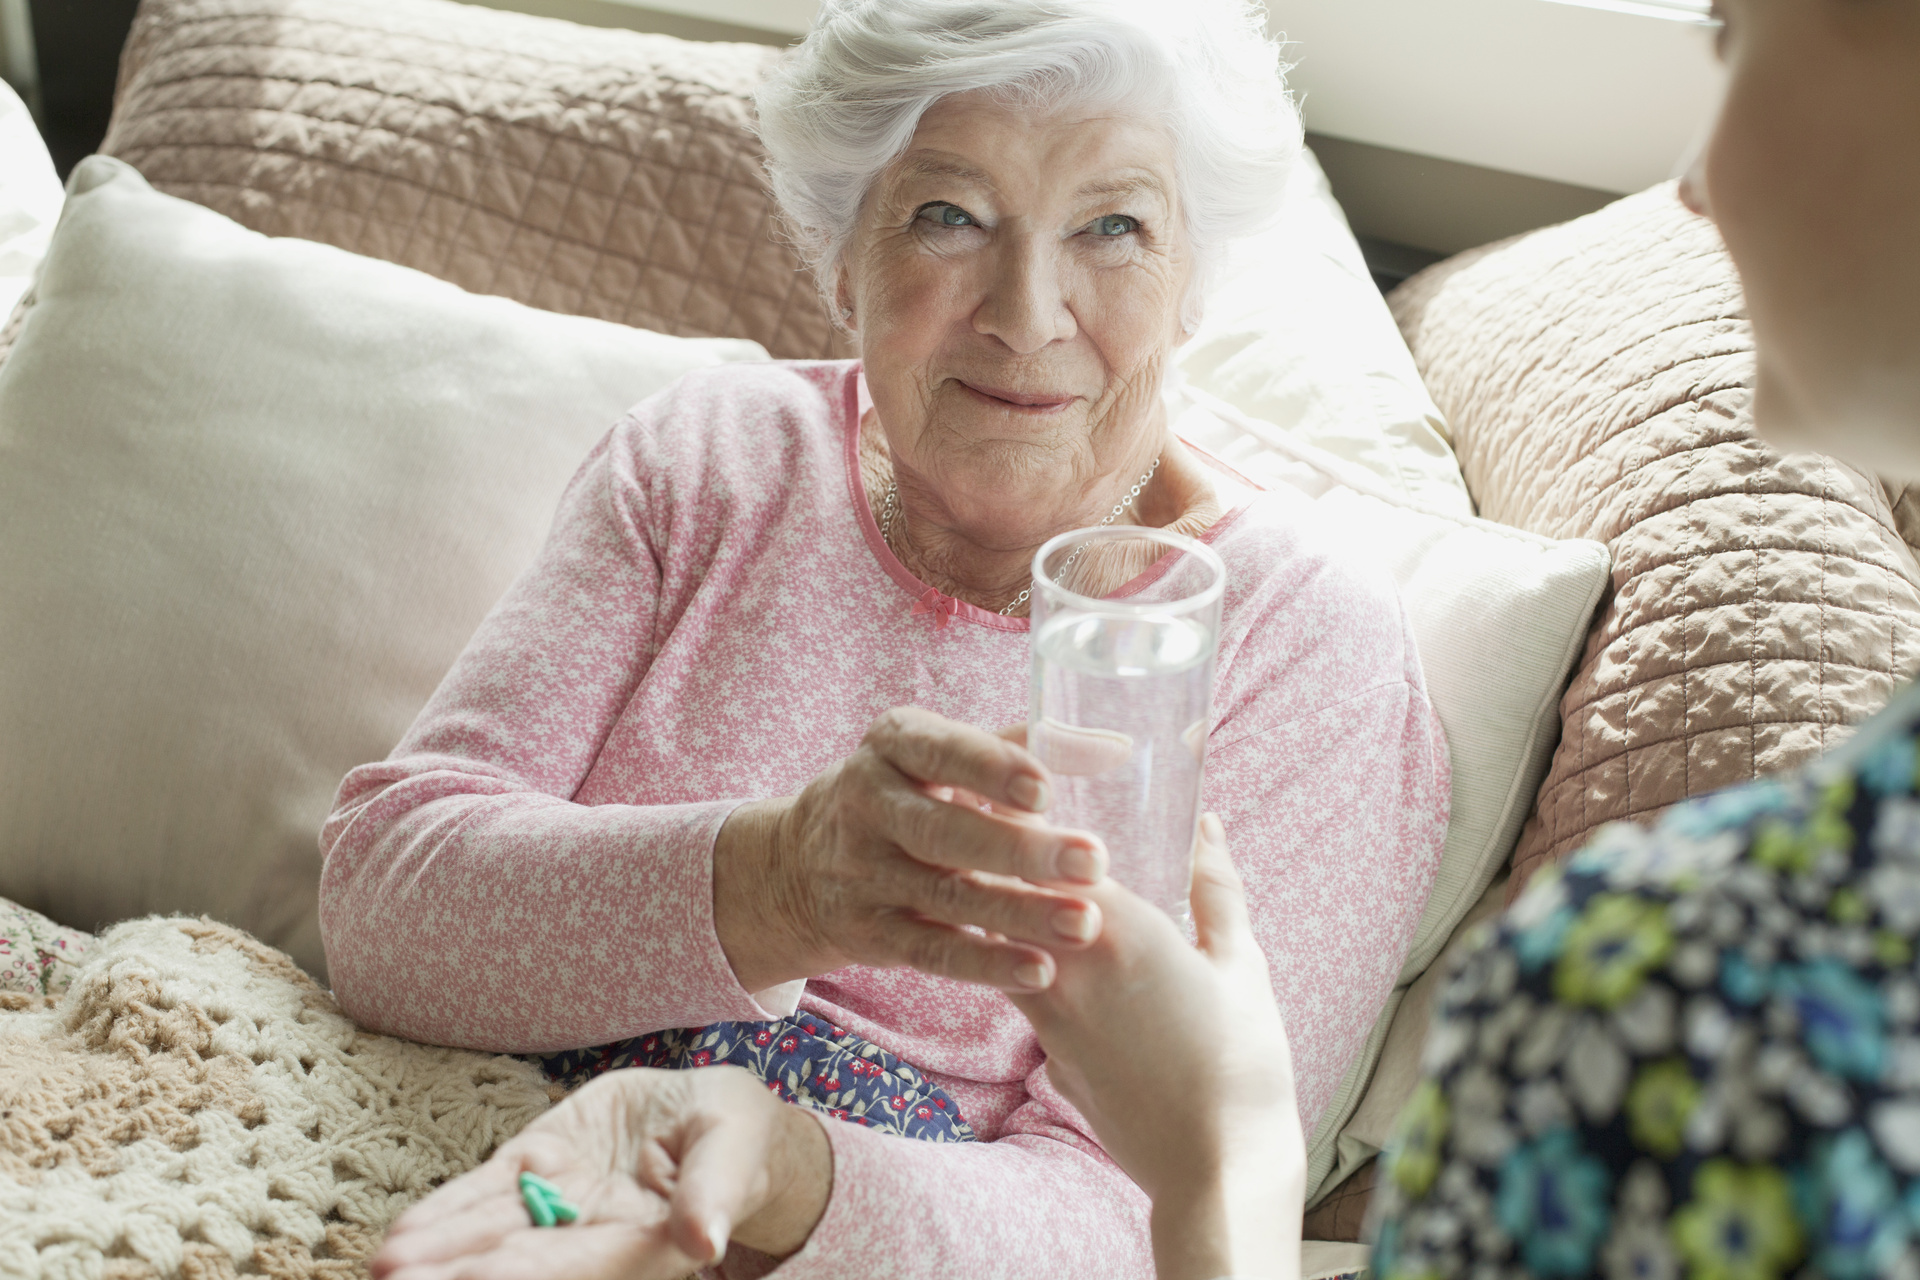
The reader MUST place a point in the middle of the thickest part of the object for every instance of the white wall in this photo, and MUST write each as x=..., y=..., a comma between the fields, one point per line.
x=1599, y=93
x=790, y=16
x=1599, y=97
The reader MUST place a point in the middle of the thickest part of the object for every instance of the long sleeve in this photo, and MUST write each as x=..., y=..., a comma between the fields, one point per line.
x=466, y=899
x=716, y=618
x=1335, y=816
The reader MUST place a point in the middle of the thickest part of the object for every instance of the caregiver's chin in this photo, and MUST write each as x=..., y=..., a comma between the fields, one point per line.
x=1810, y=179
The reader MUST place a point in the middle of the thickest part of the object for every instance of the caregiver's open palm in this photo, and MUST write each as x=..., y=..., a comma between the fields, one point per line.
x=664, y=1166
x=887, y=857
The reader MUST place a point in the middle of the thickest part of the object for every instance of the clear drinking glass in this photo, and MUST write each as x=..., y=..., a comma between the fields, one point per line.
x=1123, y=694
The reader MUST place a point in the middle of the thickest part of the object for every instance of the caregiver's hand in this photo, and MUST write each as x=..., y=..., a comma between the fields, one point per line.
x=929, y=827
x=1177, y=1057
x=665, y=1167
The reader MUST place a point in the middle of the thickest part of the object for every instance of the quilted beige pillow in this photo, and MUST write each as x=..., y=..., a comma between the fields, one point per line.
x=1597, y=380
x=593, y=172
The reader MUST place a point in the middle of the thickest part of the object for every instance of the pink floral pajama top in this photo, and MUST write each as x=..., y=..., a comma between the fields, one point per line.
x=715, y=619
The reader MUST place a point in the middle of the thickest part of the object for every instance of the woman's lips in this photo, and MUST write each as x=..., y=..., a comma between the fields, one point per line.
x=1018, y=401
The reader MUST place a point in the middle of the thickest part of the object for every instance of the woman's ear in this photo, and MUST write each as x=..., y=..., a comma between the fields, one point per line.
x=1193, y=306
x=843, y=301
x=1192, y=312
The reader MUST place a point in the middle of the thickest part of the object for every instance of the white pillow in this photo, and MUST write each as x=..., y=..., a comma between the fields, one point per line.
x=254, y=496
x=30, y=198
x=1297, y=337
x=1499, y=616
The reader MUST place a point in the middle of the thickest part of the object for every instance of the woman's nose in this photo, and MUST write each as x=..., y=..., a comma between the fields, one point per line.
x=1026, y=304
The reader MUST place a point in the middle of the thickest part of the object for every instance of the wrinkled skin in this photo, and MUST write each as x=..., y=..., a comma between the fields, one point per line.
x=929, y=826
x=664, y=1166
x=1017, y=286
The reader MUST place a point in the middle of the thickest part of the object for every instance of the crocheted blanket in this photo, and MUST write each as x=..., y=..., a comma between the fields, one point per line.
x=179, y=1100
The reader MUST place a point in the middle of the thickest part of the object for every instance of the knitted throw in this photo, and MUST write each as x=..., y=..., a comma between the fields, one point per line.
x=193, y=1105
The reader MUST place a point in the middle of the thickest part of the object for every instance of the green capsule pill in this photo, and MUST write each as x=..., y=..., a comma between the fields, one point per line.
x=546, y=1204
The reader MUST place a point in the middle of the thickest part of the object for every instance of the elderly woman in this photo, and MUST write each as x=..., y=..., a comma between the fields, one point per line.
x=720, y=760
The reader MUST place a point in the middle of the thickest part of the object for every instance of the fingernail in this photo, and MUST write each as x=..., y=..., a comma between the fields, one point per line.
x=1077, y=862
x=1073, y=923
x=1032, y=975
x=1029, y=793
x=1210, y=828
x=717, y=1237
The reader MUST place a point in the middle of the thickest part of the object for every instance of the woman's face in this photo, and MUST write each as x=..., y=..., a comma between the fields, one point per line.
x=1813, y=175
x=1016, y=280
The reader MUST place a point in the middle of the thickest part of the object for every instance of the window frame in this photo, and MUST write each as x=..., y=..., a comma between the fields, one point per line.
x=1616, y=92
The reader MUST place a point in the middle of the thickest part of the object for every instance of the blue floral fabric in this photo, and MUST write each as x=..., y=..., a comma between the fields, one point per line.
x=1693, y=1050
x=805, y=1060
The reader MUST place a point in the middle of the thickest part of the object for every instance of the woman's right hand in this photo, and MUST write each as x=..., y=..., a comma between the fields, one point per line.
x=923, y=848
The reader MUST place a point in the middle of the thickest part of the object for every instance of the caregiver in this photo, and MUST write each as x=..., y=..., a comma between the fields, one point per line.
x=1723, y=1013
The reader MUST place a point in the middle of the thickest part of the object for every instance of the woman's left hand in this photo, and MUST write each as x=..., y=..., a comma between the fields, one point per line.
x=664, y=1166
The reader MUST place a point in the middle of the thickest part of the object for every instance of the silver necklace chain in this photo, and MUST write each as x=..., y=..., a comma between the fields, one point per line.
x=892, y=502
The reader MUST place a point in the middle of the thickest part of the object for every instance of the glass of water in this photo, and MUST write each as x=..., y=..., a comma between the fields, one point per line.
x=1122, y=695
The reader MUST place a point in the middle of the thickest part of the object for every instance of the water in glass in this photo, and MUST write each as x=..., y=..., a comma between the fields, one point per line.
x=1120, y=717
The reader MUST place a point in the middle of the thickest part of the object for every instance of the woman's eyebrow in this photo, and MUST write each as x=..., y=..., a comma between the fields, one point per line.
x=1123, y=185
x=939, y=164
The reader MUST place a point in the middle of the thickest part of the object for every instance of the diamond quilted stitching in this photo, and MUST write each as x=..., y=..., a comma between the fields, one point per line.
x=602, y=173
x=1598, y=379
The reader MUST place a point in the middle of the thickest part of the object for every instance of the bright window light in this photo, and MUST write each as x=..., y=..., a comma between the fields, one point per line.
x=1680, y=10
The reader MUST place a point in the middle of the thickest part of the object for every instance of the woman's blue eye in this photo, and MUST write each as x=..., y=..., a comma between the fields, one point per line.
x=949, y=215
x=1115, y=224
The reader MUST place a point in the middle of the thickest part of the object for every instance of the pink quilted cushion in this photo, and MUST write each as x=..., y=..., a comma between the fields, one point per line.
x=602, y=173
x=1597, y=378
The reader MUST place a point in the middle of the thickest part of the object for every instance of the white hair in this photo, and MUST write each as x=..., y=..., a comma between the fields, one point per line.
x=845, y=103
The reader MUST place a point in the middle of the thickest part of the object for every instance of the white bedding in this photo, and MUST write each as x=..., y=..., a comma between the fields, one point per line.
x=30, y=198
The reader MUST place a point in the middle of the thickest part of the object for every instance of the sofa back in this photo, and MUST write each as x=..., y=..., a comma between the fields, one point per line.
x=599, y=173
x=1598, y=377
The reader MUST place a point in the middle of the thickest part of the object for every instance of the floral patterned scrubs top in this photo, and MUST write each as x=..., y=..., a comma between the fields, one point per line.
x=1693, y=1051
